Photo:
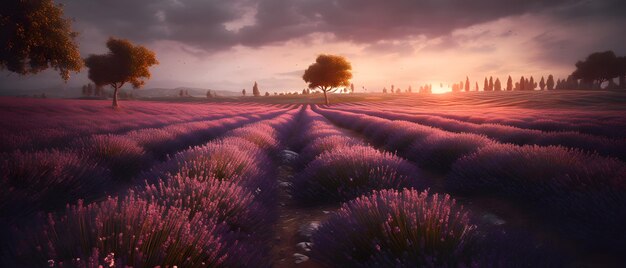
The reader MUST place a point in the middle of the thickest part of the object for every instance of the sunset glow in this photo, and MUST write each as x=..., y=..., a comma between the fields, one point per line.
x=312, y=133
x=232, y=50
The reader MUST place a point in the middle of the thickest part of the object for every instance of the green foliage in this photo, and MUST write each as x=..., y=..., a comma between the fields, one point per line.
x=34, y=36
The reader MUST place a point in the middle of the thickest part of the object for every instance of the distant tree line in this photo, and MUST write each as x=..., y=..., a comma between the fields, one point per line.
x=90, y=90
x=184, y=93
x=596, y=69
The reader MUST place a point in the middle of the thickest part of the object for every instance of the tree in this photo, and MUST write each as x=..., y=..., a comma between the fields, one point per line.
x=622, y=74
x=181, y=93
x=34, y=36
x=328, y=73
x=456, y=88
x=90, y=90
x=208, y=94
x=467, y=84
x=255, y=90
x=243, y=92
x=497, y=85
x=490, y=83
x=572, y=83
x=542, y=84
x=351, y=88
x=522, y=83
x=476, y=88
x=385, y=90
x=267, y=94
x=99, y=91
x=550, y=82
x=509, y=84
x=409, y=90
x=531, y=83
x=125, y=63
x=598, y=67
x=486, y=85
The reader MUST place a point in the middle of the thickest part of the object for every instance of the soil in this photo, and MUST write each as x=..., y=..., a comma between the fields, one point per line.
x=292, y=218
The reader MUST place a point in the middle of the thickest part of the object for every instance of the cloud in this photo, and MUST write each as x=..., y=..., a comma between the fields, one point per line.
x=230, y=44
x=214, y=25
x=296, y=73
x=199, y=23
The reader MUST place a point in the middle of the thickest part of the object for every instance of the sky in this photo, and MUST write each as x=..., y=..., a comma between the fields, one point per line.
x=230, y=44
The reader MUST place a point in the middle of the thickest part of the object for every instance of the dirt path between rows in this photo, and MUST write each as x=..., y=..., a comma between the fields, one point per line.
x=294, y=225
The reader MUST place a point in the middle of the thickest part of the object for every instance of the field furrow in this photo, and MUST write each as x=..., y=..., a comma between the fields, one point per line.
x=508, y=134
x=548, y=182
x=385, y=182
x=604, y=124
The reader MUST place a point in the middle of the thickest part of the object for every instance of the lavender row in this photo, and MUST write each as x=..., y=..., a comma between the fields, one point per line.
x=231, y=180
x=396, y=228
x=509, y=134
x=94, y=165
x=27, y=114
x=390, y=228
x=407, y=228
x=386, y=228
x=429, y=147
x=127, y=154
x=341, y=168
x=206, y=215
x=62, y=129
x=605, y=123
x=555, y=182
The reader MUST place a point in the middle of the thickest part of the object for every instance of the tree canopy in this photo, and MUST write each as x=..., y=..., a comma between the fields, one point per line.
x=328, y=73
x=125, y=63
x=600, y=67
x=255, y=90
x=34, y=36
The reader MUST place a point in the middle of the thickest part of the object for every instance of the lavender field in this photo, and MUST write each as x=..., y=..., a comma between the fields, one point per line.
x=526, y=179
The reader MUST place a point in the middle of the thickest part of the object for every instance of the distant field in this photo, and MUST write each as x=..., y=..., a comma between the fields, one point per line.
x=476, y=179
x=603, y=100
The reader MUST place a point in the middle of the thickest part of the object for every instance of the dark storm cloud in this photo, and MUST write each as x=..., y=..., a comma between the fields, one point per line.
x=374, y=20
x=582, y=9
x=593, y=26
x=195, y=22
x=200, y=23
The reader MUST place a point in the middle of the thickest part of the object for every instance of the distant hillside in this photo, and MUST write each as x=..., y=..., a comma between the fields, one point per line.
x=173, y=92
x=63, y=91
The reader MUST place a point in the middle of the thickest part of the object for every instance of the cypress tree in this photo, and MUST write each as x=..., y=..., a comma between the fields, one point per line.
x=255, y=90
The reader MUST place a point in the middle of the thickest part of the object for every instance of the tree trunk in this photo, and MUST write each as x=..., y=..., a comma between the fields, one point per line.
x=115, y=104
x=326, y=98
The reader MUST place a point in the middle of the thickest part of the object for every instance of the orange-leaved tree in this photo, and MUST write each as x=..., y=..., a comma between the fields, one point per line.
x=125, y=63
x=328, y=73
x=34, y=36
